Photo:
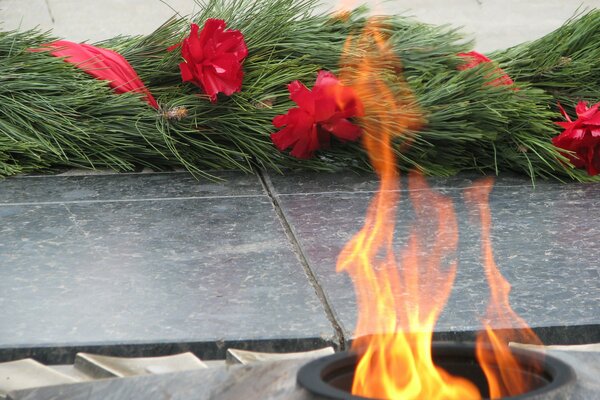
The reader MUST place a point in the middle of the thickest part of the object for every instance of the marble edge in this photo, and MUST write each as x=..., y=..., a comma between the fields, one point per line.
x=205, y=350
x=549, y=335
x=276, y=379
x=451, y=183
x=106, y=173
x=447, y=189
x=126, y=187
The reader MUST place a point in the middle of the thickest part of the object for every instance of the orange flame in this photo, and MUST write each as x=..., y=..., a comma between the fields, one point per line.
x=400, y=298
x=399, y=306
x=501, y=368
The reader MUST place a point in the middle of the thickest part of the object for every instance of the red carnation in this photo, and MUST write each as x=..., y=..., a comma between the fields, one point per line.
x=103, y=64
x=474, y=59
x=322, y=112
x=582, y=137
x=213, y=58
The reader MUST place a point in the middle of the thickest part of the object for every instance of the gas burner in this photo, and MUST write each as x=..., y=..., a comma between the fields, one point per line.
x=331, y=377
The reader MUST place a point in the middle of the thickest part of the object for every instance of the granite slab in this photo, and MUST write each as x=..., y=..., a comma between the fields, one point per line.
x=27, y=374
x=235, y=356
x=262, y=381
x=149, y=265
x=493, y=23
x=124, y=187
x=545, y=241
x=100, y=367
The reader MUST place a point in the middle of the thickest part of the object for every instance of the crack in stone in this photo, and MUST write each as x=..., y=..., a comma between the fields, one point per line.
x=75, y=222
x=49, y=10
x=297, y=248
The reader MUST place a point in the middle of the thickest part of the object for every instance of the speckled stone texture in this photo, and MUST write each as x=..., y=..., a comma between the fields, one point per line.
x=155, y=264
x=493, y=23
x=149, y=264
x=265, y=381
x=545, y=240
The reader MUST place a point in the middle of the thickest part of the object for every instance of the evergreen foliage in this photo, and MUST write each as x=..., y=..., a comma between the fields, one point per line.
x=52, y=114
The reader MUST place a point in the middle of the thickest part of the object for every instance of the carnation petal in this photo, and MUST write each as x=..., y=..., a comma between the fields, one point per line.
x=233, y=44
x=192, y=46
x=345, y=130
x=581, y=108
x=226, y=66
x=325, y=107
x=186, y=74
x=319, y=114
x=212, y=27
x=325, y=78
x=593, y=120
x=284, y=138
x=211, y=85
x=280, y=120
x=212, y=58
x=594, y=161
x=582, y=137
x=305, y=147
x=302, y=96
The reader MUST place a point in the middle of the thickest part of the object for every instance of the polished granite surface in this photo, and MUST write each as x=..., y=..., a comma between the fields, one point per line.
x=122, y=261
x=544, y=237
x=272, y=380
x=43, y=189
x=159, y=263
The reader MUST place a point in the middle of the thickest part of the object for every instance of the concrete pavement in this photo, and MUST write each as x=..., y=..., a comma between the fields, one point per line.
x=493, y=23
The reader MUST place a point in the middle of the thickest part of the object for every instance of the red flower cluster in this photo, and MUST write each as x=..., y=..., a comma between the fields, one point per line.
x=102, y=64
x=474, y=59
x=582, y=137
x=322, y=112
x=213, y=58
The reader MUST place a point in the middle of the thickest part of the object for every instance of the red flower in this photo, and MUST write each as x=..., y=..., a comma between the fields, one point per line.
x=474, y=59
x=103, y=64
x=213, y=58
x=582, y=137
x=322, y=112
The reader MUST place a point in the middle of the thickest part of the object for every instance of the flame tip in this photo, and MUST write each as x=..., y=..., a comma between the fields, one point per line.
x=401, y=298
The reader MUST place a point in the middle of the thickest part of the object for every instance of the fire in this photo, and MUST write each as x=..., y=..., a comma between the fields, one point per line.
x=400, y=298
x=492, y=346
x=397, y=361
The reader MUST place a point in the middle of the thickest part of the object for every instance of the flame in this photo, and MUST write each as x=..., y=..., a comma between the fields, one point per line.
x=400, y=298
x=501, y=368
x=399, y=305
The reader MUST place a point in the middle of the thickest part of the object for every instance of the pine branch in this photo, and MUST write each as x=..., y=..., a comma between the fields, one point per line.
x=52, y=114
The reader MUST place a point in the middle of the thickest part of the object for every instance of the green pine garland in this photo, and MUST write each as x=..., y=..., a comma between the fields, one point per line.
x=53, y=115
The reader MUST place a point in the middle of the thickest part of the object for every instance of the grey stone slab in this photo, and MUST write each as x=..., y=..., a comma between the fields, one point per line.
x=70, y=370
x=302, y=183
x=264, y=381
x=119, y=367
x=150, y=277
x=28, y=373
x=493, y=23
x=236, y=356
x=545, y=242
x=81, y=20
x=124, y=187
x=22, y=15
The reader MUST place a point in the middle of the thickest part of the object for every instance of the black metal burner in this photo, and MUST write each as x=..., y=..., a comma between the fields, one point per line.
x=331, y=377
